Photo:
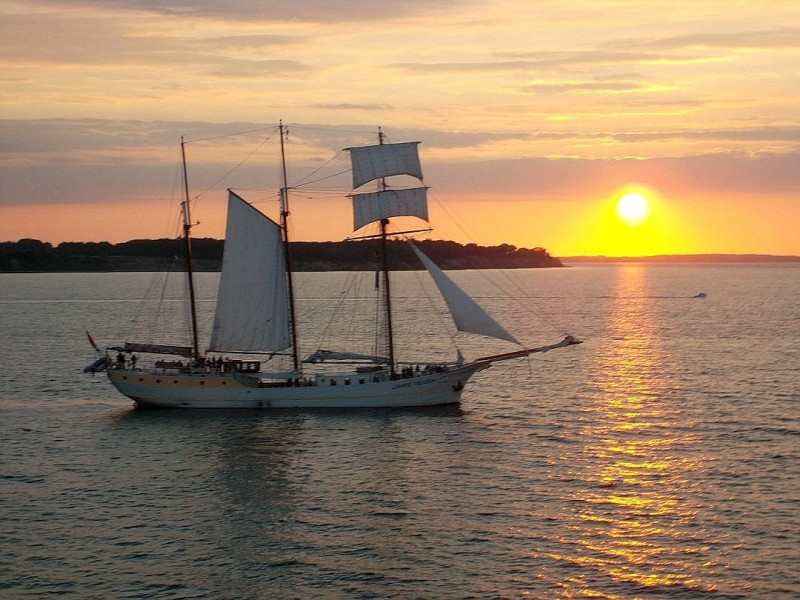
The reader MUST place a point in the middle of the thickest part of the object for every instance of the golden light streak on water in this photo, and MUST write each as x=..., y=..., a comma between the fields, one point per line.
x=633, y=519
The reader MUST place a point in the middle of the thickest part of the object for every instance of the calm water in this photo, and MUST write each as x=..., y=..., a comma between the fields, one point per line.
x=659, y=459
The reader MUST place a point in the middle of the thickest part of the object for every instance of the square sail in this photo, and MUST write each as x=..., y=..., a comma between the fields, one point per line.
x=384, y=160
x=374, y=206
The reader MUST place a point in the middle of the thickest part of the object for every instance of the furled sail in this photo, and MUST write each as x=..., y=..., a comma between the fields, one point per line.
x=332, y=356
x=384, y=160
x=371, y=207
x=467, y=314
x=252, y=304
x=186, y=351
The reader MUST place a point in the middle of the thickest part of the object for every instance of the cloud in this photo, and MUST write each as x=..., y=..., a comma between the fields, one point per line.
x=75, y=40
x=241, y=68
x=764, y=39
x=548, y=61
x=348, y=106
x=757, y=134
x=94, y=161
x=78, y=136
x=614, y=84
x=313, y=11
x=703, y=176
x=68, y=39
x=763, y=134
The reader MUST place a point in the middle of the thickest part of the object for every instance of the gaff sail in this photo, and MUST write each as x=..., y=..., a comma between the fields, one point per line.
x=252, y=312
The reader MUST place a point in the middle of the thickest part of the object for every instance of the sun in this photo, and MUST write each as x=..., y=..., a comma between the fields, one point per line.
x=633, y=208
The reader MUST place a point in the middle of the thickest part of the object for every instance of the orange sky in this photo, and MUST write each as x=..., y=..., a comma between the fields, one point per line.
x=534, y=117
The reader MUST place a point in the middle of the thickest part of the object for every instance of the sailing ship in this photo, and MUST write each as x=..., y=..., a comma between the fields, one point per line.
x=255, y=315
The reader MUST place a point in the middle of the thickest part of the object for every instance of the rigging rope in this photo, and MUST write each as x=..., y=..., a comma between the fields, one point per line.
x=232, y=170
x=512, y=287
x=272, y=128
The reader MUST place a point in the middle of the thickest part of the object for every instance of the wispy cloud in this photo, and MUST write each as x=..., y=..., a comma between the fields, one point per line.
x=765, y=39
x=547, y=179
x=94, y=156
x=348, y=106
x=274, y=10
x=548, y=61
x=613, y=84
x=66, y=39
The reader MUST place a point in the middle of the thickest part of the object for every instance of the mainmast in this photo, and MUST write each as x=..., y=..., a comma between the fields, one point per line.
x=376, y=163
x=287, y=256
x=187, y=240
x=387, y=296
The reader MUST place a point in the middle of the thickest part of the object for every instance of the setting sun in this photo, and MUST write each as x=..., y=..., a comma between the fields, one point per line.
x=633, y=208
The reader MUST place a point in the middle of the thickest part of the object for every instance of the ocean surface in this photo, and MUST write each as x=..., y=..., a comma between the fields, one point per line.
x=659, y=459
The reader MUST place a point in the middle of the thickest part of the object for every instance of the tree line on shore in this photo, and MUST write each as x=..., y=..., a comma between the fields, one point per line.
x=29, y=255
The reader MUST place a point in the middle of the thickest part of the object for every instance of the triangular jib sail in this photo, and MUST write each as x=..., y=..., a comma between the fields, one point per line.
x=467, y=315
x=252, y=304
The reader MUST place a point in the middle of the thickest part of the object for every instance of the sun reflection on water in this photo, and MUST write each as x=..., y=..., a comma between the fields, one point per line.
x=632, y=518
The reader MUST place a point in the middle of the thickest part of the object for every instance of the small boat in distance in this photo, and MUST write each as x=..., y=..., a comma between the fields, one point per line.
x=255, y=315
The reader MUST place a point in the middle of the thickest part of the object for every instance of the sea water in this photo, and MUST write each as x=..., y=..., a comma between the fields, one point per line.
x=661, y=458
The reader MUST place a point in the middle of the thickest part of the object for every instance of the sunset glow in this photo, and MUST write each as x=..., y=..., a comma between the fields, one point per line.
x=534, y=118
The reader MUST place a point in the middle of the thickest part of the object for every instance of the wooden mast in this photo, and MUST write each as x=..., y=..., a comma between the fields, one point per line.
x=187, y=241
x=387, y=297
x=286, y=252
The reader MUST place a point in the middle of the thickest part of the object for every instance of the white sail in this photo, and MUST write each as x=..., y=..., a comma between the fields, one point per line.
x=467, y=314
x=252, y=304
x=374, y=206
x=384, y=160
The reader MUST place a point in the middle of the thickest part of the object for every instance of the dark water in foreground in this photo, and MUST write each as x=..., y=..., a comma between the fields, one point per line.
x=659, y=459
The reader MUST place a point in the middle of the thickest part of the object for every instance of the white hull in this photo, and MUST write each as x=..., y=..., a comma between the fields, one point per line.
x=350, y=390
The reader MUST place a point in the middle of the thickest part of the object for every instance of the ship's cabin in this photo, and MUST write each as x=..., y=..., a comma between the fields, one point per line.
x=242, y=366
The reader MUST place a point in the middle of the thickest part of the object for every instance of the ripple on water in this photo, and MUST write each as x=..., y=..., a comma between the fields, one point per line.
x=658, y=459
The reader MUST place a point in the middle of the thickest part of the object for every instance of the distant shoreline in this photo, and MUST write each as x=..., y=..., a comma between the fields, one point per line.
x=34, y=256
x=682, y=259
